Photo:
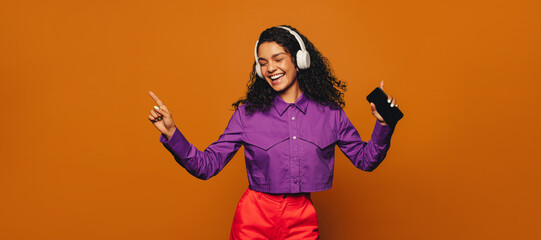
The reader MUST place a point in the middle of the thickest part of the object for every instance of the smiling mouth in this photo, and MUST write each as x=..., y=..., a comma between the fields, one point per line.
x=276, y=78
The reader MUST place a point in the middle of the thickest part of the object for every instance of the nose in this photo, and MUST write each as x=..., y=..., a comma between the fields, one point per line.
x=271, y=67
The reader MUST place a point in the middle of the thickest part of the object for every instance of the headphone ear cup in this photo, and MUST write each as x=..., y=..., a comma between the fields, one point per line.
x=258, y=70
x=303, y=59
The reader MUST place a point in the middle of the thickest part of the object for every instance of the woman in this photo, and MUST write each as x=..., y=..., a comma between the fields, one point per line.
x=289, y=123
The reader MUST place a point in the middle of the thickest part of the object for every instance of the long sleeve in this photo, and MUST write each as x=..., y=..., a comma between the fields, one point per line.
x=207, y=163
x=364, y=155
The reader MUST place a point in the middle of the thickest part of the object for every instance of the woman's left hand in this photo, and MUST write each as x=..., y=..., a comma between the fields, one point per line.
x=391, y=100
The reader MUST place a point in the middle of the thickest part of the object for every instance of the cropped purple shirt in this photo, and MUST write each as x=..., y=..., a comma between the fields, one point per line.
x=288, y=149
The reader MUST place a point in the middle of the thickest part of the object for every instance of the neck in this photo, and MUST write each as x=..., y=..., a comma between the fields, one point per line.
x=291, y=94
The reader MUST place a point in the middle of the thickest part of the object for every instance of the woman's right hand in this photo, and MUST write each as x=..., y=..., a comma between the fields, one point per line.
x=161, y=117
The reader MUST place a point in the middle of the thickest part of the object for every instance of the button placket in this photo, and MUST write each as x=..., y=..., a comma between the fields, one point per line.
x=294, y=146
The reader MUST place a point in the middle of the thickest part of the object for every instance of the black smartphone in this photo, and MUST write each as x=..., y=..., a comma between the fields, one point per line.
x=391, y=115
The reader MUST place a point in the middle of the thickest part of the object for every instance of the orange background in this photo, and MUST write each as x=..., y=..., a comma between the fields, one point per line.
x=80, y=160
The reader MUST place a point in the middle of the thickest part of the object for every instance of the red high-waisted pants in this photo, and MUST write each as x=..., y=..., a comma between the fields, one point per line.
x=273, y=216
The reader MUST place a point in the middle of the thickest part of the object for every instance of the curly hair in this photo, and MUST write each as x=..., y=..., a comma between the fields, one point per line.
x=317, y=82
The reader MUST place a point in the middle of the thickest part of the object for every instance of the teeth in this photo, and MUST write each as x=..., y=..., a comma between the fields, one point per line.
x=274, y=77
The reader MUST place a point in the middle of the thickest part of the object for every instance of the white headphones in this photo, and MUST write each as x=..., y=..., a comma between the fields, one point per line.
x=303, y=57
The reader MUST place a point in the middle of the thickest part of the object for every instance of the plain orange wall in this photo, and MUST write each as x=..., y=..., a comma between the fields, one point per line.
x=80, y=160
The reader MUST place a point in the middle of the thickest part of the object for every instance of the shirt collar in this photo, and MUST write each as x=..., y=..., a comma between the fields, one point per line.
x=281, y=106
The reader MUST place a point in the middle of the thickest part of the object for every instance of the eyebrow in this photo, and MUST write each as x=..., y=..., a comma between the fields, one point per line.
x=273, y=56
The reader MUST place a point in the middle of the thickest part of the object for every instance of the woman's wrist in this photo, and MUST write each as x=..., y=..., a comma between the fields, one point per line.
x=170, y=133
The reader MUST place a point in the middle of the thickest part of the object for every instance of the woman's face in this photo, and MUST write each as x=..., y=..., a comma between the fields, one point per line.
x=277, y=67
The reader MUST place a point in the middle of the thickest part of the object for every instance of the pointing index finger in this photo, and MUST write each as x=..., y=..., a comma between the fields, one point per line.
x=156, y=99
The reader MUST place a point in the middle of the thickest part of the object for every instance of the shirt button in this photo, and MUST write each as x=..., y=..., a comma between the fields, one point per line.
x=292, y=118
x=294, y=137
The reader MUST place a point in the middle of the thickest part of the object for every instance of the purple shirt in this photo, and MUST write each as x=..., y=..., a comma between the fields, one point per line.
x=288, y=149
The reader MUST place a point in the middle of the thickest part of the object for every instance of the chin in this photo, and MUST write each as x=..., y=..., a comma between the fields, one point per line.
x=279, y=88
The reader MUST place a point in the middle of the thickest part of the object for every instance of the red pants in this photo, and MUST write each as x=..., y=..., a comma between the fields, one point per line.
x=272, y=216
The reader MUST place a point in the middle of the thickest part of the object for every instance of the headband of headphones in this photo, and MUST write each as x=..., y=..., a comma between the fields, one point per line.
x=303, y=57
